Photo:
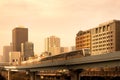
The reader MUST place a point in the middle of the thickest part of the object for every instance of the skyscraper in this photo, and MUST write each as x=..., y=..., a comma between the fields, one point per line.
x=19, y=35
x=52, y=45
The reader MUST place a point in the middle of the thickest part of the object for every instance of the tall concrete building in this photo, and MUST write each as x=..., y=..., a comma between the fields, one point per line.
x=83, y=39
x=27, y=50
x=6, y=50
x=106, y=37
x=52, y=45
x=102, y=39
x=19, y=35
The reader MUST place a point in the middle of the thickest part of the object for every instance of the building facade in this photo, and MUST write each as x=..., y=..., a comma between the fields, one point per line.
x=19, y=35
x=105, y=38
x=14, y=58
x=6, y=50
x=102, y=39
x=64, y=49
x=83, y=39
x=27, y=50
x=52, y=45
x=72, y=48
x=1, y=58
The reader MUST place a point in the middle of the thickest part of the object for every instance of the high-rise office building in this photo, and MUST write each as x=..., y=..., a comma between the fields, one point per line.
x=106, y=38
x=19, y=35
x=27, y=50
x=52, y=45
x=83, y=39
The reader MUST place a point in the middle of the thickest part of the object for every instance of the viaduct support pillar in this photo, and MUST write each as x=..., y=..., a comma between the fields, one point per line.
x=37, y=77
x=9, y=75
x=32, y=75
x=75, y=74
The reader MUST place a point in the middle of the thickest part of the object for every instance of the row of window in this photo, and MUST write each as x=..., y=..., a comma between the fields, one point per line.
x=103, y=38
x=103, y=29
x=78, y=38
x=103, y=41
x=14, y=60
x=108, y=48
x=83, y=45
x=103, y=45
x=103, y=34
x=83, y=41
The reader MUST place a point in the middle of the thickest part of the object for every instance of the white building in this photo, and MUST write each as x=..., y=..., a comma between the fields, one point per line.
x=14, y=58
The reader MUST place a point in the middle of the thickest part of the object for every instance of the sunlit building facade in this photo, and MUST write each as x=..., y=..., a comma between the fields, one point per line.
x=52, y=45
x=83, y=39
x=105, y=38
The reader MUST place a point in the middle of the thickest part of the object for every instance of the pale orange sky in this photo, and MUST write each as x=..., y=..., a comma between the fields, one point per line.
x=62, y=18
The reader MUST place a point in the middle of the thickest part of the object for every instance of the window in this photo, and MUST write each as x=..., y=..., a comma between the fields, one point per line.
x=96, y=30
x=108, y=27
x=16, y=59
x=13, y=60
x=100, y=29
x=103, y=28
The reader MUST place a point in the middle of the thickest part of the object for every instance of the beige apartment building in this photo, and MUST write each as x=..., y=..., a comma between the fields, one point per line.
x=102, y=39
x=83, y=39
x=52, y=45
x=105, y=38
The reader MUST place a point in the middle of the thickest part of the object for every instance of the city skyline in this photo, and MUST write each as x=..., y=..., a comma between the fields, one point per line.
x=60, y=18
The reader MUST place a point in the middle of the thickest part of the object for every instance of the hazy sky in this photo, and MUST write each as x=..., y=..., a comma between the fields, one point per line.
x=62, y=18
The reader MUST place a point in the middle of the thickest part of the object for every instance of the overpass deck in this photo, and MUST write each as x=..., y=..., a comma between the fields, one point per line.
x=82, y=62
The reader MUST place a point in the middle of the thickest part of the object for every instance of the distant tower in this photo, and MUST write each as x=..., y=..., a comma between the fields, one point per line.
x=27, y=50
x=52, y=45
x=19, y=35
